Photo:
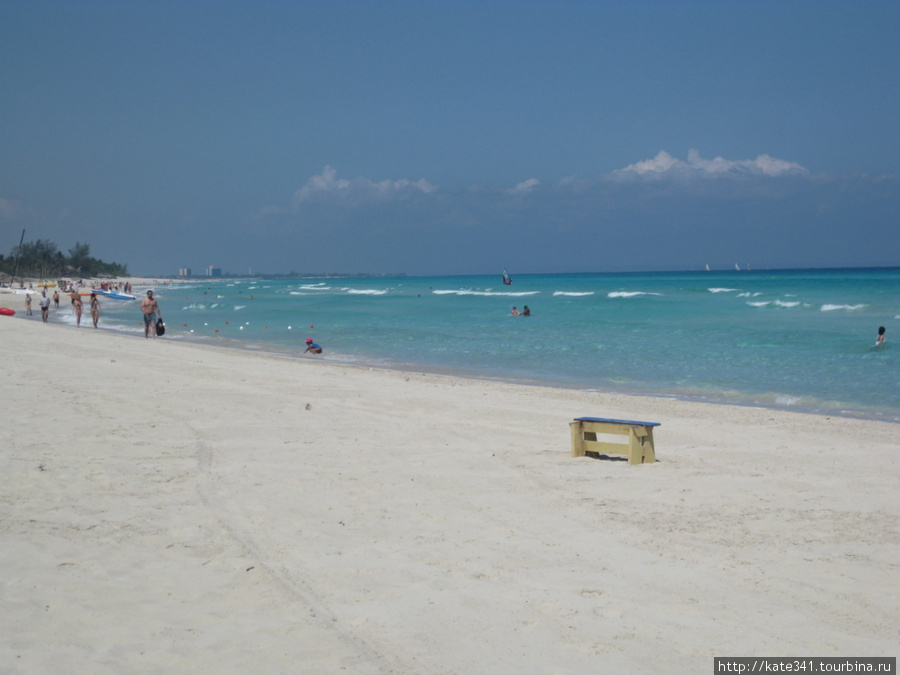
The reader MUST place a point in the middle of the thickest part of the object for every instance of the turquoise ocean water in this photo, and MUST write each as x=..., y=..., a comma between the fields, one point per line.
x=800, y=340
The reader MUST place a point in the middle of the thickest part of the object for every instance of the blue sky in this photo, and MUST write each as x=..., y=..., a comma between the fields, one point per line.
x=453, y=137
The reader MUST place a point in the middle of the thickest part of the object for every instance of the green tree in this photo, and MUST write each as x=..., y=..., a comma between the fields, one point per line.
x=80, y=257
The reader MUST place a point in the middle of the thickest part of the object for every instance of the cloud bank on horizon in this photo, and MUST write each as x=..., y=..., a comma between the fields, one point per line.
x=663, y=206
x=662, y=166
x=667, y=208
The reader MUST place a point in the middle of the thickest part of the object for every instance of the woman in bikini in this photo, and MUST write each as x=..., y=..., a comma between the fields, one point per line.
x=95, y=308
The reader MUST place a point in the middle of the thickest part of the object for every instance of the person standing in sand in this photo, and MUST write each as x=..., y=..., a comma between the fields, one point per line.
x=45, y=307
x=150, y=308
x=95, y=308
x=77, y=306
x=28, y=304
x=56, y=299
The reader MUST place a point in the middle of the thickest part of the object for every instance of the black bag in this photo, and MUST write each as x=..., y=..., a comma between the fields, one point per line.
x=160, y=327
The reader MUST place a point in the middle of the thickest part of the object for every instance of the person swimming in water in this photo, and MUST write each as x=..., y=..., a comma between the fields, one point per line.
x=880, y=339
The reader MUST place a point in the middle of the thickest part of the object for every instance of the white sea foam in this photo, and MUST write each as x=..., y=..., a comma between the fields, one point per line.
x=366, y=291
x=466, y=291
x=573, y=294
x=849, y=308
x=722, y=290
x=628, y=294
x=782, y=303
x=764, y=303
x=237, y=307
x=749, y=295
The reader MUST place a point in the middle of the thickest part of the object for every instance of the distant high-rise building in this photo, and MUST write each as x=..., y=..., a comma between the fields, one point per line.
x=184, y=271
x=214, y=271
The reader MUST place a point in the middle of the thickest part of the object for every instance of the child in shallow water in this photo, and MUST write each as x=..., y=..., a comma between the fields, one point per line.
x=312, y=347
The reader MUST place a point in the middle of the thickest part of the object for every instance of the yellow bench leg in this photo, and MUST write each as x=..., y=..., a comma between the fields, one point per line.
x=577, y=439
x=640, y=446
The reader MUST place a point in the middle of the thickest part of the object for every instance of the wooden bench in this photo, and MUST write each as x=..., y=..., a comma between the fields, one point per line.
x=639, y=447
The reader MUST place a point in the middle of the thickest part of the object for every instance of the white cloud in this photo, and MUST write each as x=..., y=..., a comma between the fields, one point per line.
x=10, y=208
x=525, y=187
x=666, y=165
x=327, y=183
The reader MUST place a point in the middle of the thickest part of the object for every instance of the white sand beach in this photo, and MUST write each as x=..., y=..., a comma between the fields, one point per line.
x=172, y=507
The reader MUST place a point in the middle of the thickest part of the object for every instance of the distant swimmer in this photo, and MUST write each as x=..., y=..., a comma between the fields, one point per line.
x=880, y=339
x=312, y=347
x=515, y=312
x=526, y=311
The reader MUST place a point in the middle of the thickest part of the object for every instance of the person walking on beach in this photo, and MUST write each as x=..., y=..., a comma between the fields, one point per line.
x=150, y=307
x=45, y=307
x=312, y=347
x=77, y=306
x=95, y=308
x=56, y=299
x=880, y=339
x=28, y=304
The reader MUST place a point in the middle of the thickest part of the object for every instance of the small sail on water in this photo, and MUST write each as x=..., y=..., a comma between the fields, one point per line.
x=507, y=280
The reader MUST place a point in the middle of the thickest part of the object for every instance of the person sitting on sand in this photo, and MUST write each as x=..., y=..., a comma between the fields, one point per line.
x=880, y=339
x=312, y=347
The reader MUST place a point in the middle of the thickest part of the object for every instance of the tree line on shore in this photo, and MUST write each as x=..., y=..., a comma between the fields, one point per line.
x=42, y=259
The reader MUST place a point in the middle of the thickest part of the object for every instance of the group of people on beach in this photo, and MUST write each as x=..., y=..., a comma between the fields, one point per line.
x=77, y=306
x=153, y=321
